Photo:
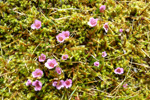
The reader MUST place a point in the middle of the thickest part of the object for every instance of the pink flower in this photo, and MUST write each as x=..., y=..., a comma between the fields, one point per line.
x=58, y=84
x=54, y=83
x=119, y=70
x=28, y=82
x=68, y=83
x=36, y=24
x=58, y=70
x=121, y=30
x=51, y=63
x=92, y=22
x=37, y=73
x=96, y=63
x=104, y=54
x=66, y=33
x=106, y=27
x=125, y=85
x=38, y=85
x=64, y=57
x=60, y=37
x=102, y=8
x=42, y=58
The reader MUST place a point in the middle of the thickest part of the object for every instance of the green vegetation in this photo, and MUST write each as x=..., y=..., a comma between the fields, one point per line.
x=20, y=47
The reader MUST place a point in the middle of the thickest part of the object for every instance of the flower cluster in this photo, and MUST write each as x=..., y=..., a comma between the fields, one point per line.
x=37, y=84
x=104, y=54
x=50, y=64
x=93, y=22
x=60, y=84
x=62, y=36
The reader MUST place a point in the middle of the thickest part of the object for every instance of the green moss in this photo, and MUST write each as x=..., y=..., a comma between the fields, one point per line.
x=20, y=47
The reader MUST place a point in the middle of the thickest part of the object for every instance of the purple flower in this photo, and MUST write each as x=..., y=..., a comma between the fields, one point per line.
x=28, y=82
x=36, y=24
x=104, y=54
x=92, y=22
x=42, y=58
x=66, y=34
x=102, y=8
x=121, y=30
x=38, y=85
x=51, y=63
x=58, y=70
x=64, y=57
x=96, y=63
x=58, y=84
x=68, y=83
x=119, y=70
x=125, y=85
x=60, y=37
x=37, y=73
x=106, y=27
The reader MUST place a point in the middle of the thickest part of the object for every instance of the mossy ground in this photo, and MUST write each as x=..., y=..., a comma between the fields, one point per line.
x=20, y=47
